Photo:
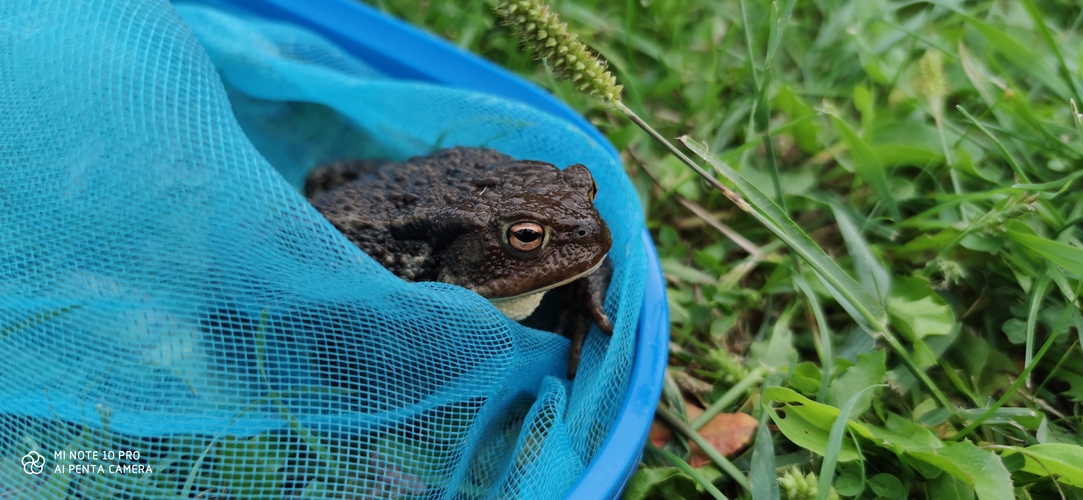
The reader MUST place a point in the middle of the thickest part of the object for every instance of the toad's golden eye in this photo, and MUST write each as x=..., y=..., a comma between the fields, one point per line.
x=525, y=236
x=593, y=190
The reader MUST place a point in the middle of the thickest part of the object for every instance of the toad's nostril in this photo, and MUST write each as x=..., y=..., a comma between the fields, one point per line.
x=582, y=232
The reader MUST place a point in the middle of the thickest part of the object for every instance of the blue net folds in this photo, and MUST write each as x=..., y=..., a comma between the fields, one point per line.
x=176, y=319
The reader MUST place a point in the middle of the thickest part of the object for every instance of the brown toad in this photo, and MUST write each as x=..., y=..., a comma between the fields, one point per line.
x=507, y=229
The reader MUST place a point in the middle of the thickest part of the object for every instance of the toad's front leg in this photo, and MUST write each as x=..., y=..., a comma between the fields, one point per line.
x=587, y=305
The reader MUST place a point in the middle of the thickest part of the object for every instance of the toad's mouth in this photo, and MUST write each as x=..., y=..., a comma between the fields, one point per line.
x=588, y=272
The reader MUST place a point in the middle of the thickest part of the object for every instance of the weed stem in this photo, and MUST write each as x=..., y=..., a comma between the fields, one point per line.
x=712, y=452
x=729, y=193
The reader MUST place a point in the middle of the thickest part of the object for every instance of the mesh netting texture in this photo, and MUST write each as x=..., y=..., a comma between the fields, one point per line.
x=175, y=318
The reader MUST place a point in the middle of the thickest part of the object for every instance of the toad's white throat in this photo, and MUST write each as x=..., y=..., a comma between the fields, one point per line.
x=520, y=306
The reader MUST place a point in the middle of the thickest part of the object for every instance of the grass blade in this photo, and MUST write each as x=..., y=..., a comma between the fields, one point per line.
x=1047, y=36
x=870, y=272
x=1032, y=315
x=868, y=166
x=1020, y=175
x=1077, y=119
x=871, y=314
x=748, y=40
x=862, y=306
x=834, y=443
x=1066, y=256
x=1023, y=376
x=762, y=475
x=777, y=30
x=1013, y=50
x=687, y=469
x=825, y=349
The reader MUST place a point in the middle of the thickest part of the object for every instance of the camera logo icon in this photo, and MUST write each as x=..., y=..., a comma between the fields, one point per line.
x=33, y=463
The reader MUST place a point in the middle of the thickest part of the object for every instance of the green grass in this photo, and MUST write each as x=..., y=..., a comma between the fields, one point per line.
x=929, y=148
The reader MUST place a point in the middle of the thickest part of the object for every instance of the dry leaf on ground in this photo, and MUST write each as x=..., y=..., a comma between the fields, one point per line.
x=729, y=433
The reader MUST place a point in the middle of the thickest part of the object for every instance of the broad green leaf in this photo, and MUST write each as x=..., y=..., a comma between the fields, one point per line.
x=974, y=352
x=1013, y=462
x=806, y=377
x=1075, y=382
x=1049, y=432
x=1021, y=417
x=905, y=142
x=923, y=354
x=807, y=423
x=980, y=469
x=668, y=236
x=1061, y=460
x=805, y=130
x=982, y=243
x=917, y=310
x=948, y=487
x=849, y=484
x=1066, y=256
x=1015, y=330
x=678, y=313
x=868, y=371
x=925, y=242
x=971, y=163
x=778, y=351
x=865, y=104
x=867, y=166
x=678, y=487
x=964, y=461
x=887, y=486
x=895, y=154
x=923, y=469
x=901, y=435
x=659, y=482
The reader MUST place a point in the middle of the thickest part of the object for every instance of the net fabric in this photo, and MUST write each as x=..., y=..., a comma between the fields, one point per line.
x=166, y=289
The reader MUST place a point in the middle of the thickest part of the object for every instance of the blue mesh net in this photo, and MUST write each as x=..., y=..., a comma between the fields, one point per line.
x=171, y=302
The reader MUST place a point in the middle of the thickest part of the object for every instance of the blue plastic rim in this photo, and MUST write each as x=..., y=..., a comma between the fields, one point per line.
x=402, y=51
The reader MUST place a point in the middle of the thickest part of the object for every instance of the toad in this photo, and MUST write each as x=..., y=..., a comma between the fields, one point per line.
x=510, y=230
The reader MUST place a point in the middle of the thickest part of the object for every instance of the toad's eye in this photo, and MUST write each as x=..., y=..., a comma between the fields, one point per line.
x=593, y=190
x=525, y=236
